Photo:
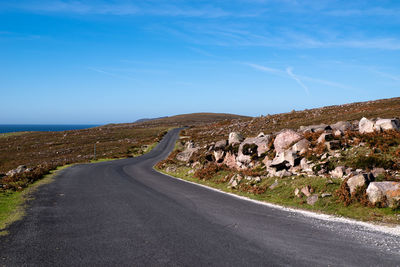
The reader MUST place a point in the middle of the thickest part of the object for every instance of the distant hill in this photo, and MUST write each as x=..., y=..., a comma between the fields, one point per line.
x=149, y=119
x=194, y=119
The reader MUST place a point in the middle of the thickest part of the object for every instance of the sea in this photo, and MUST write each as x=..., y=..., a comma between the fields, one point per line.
x=9, y=128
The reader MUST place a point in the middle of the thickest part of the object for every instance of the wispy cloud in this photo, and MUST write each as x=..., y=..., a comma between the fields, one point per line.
x=289, y=71
x=376, y=11
x=387, y=75
x=118, y=8
x=108, y=73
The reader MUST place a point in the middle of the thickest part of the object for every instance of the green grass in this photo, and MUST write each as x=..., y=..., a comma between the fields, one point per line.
x=13, y=204
x=283, y=195
x=12, y=134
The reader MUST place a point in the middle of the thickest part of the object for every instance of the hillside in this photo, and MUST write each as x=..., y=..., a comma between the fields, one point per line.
x=342, y=160
x=383, y=108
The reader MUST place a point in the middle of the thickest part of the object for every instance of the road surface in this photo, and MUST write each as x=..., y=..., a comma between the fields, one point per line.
x=125, y=213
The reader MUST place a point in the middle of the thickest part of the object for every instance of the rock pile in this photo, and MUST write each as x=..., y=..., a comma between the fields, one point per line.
x=287, y=153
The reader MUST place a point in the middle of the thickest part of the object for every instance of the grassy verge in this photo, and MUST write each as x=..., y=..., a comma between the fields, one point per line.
x=283, y=194
x=12, y=204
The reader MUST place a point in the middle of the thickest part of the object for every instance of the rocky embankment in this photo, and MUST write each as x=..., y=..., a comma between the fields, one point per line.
x=364, y=155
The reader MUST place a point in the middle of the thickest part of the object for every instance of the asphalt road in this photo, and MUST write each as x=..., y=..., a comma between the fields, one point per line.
x=125, y=213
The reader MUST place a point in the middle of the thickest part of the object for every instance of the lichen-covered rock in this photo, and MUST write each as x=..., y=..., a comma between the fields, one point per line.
x=366, y=126
x=386, y=193
x=235, y=138
x=286, y=138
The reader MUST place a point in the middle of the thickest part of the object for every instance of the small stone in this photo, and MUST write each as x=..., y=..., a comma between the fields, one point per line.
x=311, y=200
x=274, y=185
x=306, y=191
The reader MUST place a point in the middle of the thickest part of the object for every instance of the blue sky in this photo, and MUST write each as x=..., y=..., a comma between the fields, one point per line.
x=117, y=61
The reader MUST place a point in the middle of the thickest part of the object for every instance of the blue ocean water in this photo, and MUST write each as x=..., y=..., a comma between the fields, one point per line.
x=8, y=128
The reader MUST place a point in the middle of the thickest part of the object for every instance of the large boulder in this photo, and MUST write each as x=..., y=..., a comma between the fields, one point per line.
x=386, y=193
x=187, y=153
x=359, y=180
x=301, y=146
x=333, y=145
x=219, y=155
x=342, y=126
x=314, y=128
x=338, y=172
x=325, y=137
x=285, y=160
x=235, y=138
x=230, y=160
x=18, y=170
x=259, y=144
x=220, y=144
x=286, y=138
x=387, y=124
x=366, y=126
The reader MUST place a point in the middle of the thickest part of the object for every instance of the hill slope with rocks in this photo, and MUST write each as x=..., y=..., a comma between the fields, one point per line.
x=331, y=154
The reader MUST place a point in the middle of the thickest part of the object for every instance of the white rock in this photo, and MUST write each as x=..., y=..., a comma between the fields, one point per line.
x=235, y=138
x=338, y=172
x=366, y=126
x=388, y=124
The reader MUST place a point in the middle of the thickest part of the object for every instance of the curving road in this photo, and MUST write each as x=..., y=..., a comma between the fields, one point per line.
x=125, y=213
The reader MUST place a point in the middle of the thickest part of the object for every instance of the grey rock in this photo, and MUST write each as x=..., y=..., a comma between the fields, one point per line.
x=311, y=200
x=235, y=138
x=221, y=144
x=286, y=138
x=338, y=172
x=342, y=126
x=314, y=128
x=301, y=146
